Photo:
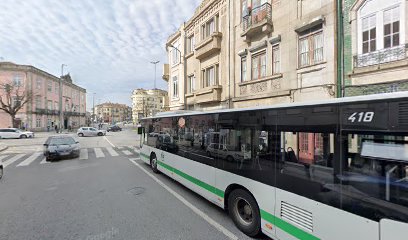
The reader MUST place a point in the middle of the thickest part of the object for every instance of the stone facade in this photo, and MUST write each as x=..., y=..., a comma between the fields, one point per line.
x=113, y=113
x=262, y=52
x=382, y=67
x=146, y=103
x=43, y=109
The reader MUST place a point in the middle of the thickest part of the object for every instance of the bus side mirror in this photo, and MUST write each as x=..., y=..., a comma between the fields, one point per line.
x=140, y=130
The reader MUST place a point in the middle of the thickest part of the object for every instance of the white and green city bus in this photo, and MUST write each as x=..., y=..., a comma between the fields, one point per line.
x=333, y=170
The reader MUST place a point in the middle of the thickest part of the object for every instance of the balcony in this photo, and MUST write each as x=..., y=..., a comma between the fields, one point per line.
x=166, y=73
x=257, y=21
x=381, y=56
x=205, y=95
x=209, y=46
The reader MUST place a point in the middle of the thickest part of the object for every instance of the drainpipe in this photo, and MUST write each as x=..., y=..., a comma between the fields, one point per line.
x=340, y=48
x=229, y=54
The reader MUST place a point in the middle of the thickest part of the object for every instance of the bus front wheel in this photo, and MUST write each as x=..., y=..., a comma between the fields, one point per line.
x=153, y=163
x=245, y=213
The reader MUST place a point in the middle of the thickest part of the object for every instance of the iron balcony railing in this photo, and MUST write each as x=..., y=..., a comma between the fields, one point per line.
x=257, y=15
x=381, y=56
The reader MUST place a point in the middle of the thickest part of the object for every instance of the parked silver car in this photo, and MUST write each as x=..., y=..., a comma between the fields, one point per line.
x=15, y=133
x=90, y=132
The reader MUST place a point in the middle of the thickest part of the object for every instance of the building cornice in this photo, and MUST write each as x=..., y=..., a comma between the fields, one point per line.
x=200, y=11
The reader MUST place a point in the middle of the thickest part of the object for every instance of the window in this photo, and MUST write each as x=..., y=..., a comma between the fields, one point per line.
x=38, y=122
x=49, y=105
x=276, y=60
x=38, y=102
x=56, y=88
x=16, y=101
x=190, y=44
x=311, y=44
x=369, y=34
x=175, y=87
x=243, y=69
x=49, y=86
x=175, y=56
x=245, y=11
x=210, y=76
x=259, y=66
x=392, y=27
x=39, y=83
x=191, y=84
x=56, y=106
x=17, y=80
x=209, y=27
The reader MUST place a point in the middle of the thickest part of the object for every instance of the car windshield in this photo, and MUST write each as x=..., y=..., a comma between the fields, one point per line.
x=61, y=141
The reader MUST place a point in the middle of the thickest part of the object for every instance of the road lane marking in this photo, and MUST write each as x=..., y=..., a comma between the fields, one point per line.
x=108, y=141
x=211, y=221
x=127, y=153
x=29, y=160
x=44, y=161
x=3, y=157
x=13, y=159
x=83, y=155
x=112, y=152
x=99, y=153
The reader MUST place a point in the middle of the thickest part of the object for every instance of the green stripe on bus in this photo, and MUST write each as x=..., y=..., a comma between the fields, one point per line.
x=287, y=227
x=194, y=180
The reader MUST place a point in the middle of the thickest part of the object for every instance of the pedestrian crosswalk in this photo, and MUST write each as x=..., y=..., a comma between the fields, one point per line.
x=24, y=160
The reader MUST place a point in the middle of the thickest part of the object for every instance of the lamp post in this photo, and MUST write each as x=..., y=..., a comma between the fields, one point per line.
x=93, y=107
x=155, y=64
x=60, y=97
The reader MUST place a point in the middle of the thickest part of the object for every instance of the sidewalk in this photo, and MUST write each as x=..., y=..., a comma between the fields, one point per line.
x=3, y=147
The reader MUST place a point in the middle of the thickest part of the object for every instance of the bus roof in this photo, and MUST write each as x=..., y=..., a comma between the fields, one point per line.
x=373, y=97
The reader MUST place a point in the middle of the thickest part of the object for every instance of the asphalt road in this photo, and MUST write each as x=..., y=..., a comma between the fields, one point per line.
x=107, y=193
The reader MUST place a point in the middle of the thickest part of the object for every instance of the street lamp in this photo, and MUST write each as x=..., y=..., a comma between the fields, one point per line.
x=155, y=63
x=60, y=96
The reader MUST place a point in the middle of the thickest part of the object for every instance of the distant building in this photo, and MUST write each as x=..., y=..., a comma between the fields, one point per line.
x=113, y=112
x=43, y=109
x=148, y=103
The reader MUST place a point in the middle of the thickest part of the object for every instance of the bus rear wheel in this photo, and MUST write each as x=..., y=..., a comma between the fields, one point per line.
x=153, y=163
x=245, y=213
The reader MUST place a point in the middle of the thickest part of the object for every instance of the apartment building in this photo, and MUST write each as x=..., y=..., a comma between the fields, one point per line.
x=376, y=44
x=43, y=110
x=113, y=112
x=251, y=53
x=197, y=72
x=147, y=103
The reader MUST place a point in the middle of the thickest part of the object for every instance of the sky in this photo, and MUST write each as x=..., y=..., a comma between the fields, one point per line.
x=107, y=45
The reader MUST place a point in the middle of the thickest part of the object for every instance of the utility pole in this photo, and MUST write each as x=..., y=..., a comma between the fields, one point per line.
x=155, y=63
x=60, y=97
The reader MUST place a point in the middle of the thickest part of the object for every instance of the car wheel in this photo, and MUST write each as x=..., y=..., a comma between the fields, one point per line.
x=100, y=134
x=80, y=134
x=230, y=159
x=244, y=211
x=23, y=136
x=153, y=163
x=1, y=172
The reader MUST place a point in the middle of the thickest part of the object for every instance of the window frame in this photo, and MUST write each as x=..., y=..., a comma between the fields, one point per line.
x=309, y=36
x=244, y=69
x=276, y=62
x=175, y=87
x=258, y=56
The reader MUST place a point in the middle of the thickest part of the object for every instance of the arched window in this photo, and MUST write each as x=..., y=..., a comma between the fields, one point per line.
x=381, y=25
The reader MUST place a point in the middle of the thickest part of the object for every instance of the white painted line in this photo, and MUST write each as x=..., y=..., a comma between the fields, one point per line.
x=108, y=141
x=3, y=157
x=99, y=153
x=127, y=153
x=83, y=155
x=44, y=161
x=29, y=160
x=112, y=152
x=212, y=222
x=13, y=159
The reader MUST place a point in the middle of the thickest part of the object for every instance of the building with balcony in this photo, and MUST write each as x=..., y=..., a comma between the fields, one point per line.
x=198, y=55
x=376, y=44
x=284, y=51
x=113, y=113
x=146, y=103
x=43, y=110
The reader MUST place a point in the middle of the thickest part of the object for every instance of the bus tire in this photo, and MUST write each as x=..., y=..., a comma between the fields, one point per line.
x=244, y=211
x=153, y=163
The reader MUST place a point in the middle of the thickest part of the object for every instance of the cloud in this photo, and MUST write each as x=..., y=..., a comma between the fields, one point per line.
x=107, y=44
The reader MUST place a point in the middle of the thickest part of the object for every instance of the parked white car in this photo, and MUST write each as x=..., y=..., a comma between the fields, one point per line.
x=90, y=132
x=15, y=133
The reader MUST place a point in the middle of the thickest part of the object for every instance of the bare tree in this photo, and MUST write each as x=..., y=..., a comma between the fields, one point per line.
x=13, y=97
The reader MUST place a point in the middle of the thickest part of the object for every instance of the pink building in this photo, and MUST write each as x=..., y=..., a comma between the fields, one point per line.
x=44, y=108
